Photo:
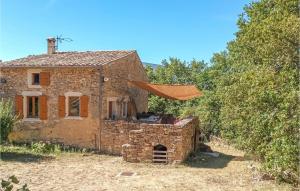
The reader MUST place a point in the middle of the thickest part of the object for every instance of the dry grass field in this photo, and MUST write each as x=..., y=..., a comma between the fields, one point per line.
x=76, y=171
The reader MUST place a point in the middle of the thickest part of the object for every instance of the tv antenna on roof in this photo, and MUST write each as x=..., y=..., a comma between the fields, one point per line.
x=60, y=39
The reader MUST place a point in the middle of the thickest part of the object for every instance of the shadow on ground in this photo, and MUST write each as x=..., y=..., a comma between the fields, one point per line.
x=200, y=160
x=23, y=157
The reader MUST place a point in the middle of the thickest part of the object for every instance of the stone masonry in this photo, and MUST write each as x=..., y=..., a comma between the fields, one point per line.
x=71, y=132
x=98, y=81
x=135, y=141
x=82, y=132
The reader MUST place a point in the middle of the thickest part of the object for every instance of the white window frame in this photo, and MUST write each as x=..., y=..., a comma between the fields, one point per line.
x=126, y=101
x=29, y=77
x=124, y=104
x=118, y=106
x=115, y=99
x=72, y=94
x=26, y=94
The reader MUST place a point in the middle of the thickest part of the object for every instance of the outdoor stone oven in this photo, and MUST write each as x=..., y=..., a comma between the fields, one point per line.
x=137, y=141
x=160, y=154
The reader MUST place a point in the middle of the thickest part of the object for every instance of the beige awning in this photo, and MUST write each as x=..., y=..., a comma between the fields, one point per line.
x=176, y=92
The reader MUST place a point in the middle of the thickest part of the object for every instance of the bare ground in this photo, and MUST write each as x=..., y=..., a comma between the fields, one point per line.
x=230, y=171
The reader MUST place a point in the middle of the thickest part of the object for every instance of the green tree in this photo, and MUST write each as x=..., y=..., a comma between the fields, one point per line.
x=251, y=89
x=209, y=104
x=173, y=71
x=258, y=93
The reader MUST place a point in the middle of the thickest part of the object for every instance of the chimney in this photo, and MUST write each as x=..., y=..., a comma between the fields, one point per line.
x=51, y=45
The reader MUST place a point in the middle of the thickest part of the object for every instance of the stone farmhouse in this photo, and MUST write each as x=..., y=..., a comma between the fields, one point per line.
x=84, y=99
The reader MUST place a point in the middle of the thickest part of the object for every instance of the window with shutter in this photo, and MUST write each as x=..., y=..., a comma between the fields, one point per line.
x=33, y=107
x=74, y=106
x=112, y=110
x=35, y=79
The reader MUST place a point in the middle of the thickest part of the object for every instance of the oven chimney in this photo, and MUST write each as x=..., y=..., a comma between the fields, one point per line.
x=51, y=45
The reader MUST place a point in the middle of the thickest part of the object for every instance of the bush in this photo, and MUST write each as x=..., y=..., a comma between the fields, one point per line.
x=7, y=119
x=8, y=185
x=45, y=148
x=40, y=147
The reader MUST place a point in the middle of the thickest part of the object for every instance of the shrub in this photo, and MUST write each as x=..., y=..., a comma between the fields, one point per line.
x=45, y=148
x=7, y=119
x=8, y=185
x=40, y=147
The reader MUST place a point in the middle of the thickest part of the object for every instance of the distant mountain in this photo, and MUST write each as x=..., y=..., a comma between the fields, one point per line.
x=154, y=66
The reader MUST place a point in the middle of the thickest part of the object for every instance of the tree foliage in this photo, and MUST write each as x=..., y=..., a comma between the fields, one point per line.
x=251, y=89
x=7, y=119
x=259, y=102
x=173, y=71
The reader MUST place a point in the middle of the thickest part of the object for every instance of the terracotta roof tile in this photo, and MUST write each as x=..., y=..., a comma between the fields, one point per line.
x=67, y=59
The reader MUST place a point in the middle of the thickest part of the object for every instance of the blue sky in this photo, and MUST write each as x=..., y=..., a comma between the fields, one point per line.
x=157, y=29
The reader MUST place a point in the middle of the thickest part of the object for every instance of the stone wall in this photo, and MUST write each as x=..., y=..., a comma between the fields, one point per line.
x=84, y=132
x=136, y=140
x=78, y=132
x=115, y=133
x=190, y=133
x=118, y=73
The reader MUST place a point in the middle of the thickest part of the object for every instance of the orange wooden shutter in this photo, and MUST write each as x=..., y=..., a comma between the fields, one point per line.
x=84, y=102
x=43, y=107
x=19, y=106
x=45, y=78
x=61, y=106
